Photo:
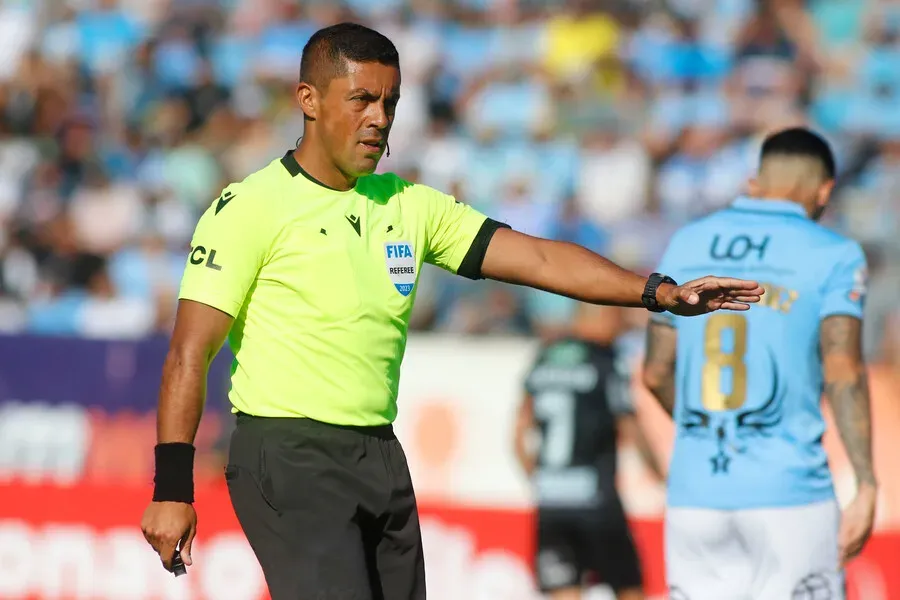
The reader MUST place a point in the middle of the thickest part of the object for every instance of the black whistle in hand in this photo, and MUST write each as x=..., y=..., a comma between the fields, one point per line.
x=178, y=568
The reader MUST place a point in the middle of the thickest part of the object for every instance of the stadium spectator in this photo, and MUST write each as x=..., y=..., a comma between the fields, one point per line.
x=645, y=113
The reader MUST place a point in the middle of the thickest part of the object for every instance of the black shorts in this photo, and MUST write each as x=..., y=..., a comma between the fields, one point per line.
x=576, y=547
x=329, y=511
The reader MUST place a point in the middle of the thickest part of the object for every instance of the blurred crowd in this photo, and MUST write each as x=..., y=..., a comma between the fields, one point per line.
x=604, y=122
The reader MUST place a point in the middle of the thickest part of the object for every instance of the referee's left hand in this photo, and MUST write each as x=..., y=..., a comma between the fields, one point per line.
x=165, y=524
x=709, y=294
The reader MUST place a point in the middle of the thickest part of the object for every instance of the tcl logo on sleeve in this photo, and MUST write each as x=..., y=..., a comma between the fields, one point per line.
x=200, y=255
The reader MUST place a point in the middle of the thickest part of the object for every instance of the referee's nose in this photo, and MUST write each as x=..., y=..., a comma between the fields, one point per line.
x=378, y=117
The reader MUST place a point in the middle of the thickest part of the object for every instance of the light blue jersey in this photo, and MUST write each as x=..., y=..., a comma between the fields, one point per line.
x=747, y=413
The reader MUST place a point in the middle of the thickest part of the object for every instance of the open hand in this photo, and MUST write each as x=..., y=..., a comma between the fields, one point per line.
x=165, y=524
x=708, y=294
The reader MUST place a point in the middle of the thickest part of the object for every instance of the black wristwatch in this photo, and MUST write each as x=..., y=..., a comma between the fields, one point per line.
x=648, y=299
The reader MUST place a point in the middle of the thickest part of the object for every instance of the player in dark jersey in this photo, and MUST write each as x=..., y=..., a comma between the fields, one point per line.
x=578, y=400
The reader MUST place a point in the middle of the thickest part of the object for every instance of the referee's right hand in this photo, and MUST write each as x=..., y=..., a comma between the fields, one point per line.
x=165, y=524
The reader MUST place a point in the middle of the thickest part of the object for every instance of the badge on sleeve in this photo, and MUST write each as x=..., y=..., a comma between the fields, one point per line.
x=401, y=265
x=860, y=284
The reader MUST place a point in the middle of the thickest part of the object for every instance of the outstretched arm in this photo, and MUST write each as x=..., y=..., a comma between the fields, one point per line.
x=847, y=390
x=576, y=272
x=659, y=364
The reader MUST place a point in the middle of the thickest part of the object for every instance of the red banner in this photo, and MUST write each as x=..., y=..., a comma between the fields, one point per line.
x=83, y=543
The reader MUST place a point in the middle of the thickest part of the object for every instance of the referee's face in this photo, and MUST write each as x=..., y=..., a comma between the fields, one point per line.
x=356, y=113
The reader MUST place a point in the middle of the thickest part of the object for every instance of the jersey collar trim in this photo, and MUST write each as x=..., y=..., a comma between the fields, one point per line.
x=778, y=207
x=293, y=167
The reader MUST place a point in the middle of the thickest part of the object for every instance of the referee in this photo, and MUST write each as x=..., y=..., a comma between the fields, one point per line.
x=309, y=268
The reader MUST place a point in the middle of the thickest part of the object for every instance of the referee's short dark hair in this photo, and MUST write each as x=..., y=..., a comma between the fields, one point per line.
x=800, y=141
x=328, y=51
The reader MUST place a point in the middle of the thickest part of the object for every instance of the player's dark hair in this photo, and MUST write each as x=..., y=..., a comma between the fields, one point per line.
x=799, y=141
x=328, y=51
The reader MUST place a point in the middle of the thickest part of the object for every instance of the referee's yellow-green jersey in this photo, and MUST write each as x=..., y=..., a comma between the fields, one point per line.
x=321, y=284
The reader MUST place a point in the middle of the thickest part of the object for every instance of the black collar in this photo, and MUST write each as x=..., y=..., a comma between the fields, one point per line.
x=293, y=167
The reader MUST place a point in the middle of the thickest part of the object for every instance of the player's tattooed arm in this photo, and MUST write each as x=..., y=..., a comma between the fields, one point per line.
x=847, y=390
x=659, y=364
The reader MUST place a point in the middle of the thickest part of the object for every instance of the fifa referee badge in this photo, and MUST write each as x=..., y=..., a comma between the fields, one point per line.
x=401, y=265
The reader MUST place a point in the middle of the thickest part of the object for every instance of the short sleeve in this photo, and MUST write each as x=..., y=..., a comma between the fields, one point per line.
x=845, y=290
x=452, y=229
x=228, y=249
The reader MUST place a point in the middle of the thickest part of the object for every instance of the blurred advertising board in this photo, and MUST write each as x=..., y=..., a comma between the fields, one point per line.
x=75, y=410
x=77, y=427
x=82, y=542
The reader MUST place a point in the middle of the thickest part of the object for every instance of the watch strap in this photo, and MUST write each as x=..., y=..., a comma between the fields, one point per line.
x=648, y=299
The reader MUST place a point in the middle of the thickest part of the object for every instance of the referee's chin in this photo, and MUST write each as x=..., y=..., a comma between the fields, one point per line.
x=366, y=165
x=367, y=157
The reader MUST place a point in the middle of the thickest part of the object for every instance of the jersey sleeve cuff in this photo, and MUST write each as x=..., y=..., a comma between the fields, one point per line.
x=841, y=312
x=470, y=266
x=226, y=306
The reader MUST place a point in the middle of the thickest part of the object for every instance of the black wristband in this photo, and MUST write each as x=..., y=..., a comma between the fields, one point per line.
x=174, y=479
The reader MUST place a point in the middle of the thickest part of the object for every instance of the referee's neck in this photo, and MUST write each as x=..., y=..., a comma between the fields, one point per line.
x=317, y=166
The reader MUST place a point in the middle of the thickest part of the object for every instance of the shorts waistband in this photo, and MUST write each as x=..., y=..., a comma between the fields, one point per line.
x=385, y=432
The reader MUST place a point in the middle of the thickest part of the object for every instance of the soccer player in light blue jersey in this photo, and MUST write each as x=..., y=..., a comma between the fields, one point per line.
x=751, y=510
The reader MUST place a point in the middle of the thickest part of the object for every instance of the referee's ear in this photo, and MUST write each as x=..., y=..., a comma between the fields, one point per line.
x=306, y=97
